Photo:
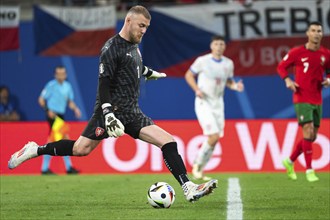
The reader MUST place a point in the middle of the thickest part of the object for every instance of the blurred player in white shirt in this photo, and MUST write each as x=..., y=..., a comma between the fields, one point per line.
x=214, y=72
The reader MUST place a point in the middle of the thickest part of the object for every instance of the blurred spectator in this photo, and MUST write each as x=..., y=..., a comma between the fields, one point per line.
x=188, y=1
x=7, y=107
x=79, y=2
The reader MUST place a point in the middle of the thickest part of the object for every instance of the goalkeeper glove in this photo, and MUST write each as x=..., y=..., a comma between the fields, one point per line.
x=113, y=126
x=152, y=74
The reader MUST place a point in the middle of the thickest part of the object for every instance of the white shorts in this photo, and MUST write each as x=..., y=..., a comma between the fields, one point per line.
x=210, y=118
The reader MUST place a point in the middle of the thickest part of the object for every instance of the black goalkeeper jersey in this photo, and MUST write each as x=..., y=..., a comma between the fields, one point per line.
x=121, y=61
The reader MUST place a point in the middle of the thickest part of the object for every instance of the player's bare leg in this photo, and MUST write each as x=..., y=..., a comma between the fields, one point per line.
x=203, y=156
x=84, y=146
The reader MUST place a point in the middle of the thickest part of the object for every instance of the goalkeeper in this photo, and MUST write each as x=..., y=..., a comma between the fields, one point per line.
x=117, y=111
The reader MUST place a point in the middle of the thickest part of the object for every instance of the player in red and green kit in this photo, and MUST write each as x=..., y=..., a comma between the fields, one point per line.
x=310, y=61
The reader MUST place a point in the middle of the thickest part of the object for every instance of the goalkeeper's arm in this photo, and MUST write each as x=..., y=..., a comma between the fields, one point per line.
x=113, y=126
x=151, y=74
x=104, y=89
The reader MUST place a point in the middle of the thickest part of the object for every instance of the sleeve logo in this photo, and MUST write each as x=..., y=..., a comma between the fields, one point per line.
x=101, y=68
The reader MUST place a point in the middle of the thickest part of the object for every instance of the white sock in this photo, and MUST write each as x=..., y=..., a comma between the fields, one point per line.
x=204, y=154
x=186, y=185
x=309, y=171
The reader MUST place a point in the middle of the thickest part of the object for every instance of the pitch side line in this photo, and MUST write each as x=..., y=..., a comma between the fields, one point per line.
x=234, y=202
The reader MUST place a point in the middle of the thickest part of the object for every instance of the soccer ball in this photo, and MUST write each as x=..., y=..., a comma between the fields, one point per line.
x=161, y=195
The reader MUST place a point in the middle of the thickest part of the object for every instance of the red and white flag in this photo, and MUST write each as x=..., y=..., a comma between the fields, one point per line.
x=9, y=27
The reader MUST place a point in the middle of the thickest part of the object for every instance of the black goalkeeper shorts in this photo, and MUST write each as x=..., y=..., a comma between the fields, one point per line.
x=95, y=128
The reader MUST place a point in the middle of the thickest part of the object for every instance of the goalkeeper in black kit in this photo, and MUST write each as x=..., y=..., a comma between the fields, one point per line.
x=117, y=111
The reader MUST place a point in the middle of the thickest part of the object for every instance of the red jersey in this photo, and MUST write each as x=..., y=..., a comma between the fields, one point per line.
x=309, y=68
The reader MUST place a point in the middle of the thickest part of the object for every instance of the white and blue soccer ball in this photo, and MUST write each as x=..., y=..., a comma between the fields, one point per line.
x=161, y=195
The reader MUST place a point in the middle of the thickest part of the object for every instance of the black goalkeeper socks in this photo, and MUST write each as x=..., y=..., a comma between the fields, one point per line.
x=58, y=148
x=174, y=162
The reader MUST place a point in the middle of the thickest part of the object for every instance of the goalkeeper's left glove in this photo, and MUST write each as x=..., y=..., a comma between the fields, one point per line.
x=152, y=74
x=113, y=125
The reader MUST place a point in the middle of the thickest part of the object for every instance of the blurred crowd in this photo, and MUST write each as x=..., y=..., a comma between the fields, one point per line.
x=152, y=2
x=126, y=4
x=8, y=105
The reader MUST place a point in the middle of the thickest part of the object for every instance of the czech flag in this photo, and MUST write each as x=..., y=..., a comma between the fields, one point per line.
x=9, y=23
x=73, y=31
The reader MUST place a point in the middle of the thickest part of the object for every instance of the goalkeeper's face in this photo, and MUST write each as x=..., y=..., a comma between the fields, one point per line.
x=138, y=26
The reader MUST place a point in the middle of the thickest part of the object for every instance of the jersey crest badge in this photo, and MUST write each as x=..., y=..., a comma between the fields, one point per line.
x=99, y=131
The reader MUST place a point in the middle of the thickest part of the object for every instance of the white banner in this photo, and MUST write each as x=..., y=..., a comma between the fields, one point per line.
x=9, y=16
x=262, y=19
x=84, y=19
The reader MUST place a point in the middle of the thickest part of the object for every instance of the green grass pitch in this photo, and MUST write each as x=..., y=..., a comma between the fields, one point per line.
x=264, y=196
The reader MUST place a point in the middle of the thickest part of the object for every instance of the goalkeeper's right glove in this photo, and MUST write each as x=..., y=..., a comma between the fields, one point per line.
x=152, y=74
x=113, y=126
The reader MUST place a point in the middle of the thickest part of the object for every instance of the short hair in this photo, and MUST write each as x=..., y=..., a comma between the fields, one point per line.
x=217, y=37
x=138, y=9
x=59, y=67
x=314, y=23
x=3, y=87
